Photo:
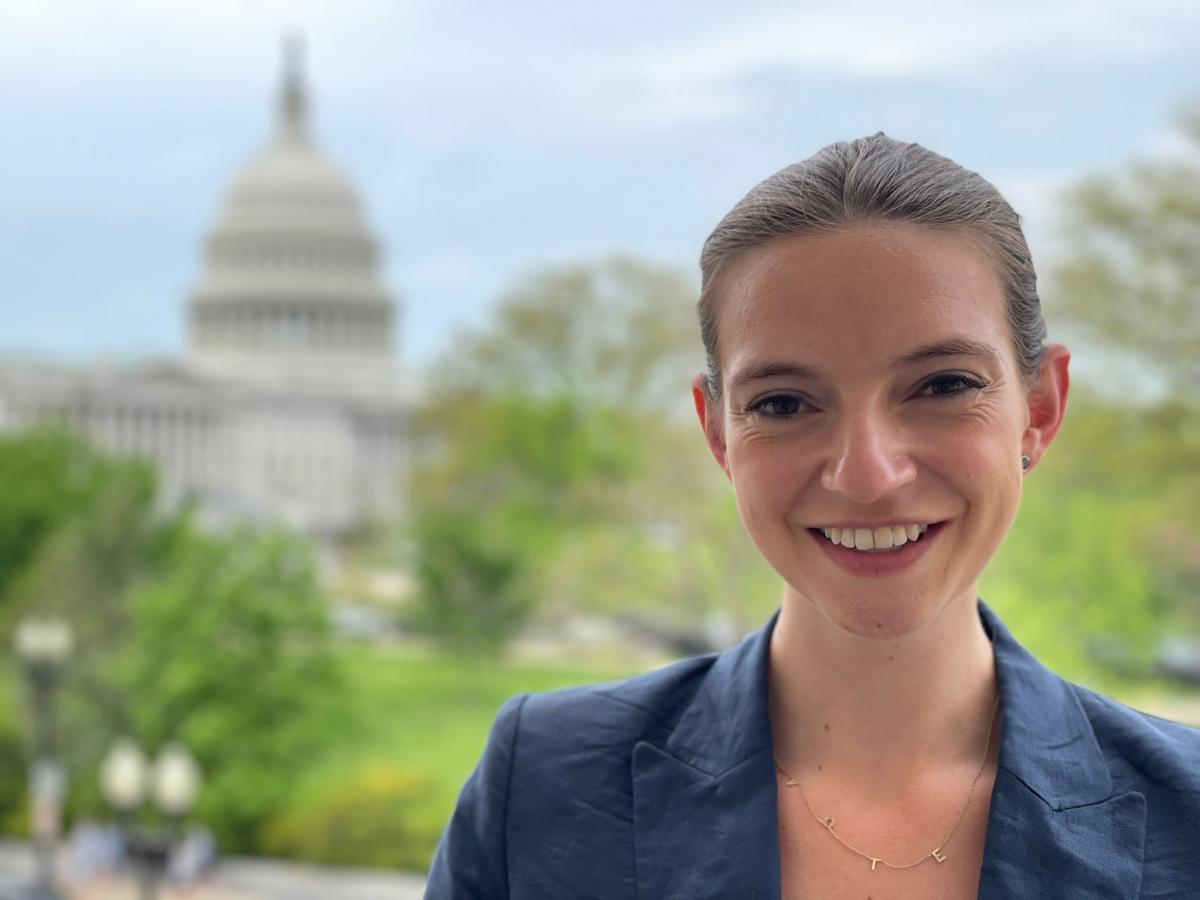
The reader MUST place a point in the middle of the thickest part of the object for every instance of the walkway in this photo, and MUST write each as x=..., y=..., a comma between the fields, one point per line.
x=235, y=879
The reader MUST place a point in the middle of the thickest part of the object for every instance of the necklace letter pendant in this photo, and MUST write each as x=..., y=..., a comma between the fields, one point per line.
x=874, y=862
x=938, y=855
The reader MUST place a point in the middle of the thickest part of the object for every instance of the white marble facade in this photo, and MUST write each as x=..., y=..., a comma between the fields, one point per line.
x=288, y=405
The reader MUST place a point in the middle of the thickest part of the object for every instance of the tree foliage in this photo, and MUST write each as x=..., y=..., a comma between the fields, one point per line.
x=1081, y=576
x=1128, y=277
x=229, y=652
x=621, y=333
x=1102, y=561
x=560, y=467
x=220, y=641
x=56, y=484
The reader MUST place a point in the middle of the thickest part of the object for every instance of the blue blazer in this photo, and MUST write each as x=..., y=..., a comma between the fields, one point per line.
x=663, y=786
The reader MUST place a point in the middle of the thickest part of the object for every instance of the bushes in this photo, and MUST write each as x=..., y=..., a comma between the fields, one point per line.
x=230, y=651
x=14, y=769
x=380, y=816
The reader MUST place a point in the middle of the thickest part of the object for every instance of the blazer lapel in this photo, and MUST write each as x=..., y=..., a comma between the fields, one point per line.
x=1036, y=850
x=701, y=835
x=705, y=817
x=706, y=821
x=1056, y=826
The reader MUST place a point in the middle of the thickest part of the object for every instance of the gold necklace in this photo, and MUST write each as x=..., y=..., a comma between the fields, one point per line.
x=828, y=822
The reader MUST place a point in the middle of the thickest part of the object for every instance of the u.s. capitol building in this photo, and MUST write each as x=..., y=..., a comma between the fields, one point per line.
x=288, y=405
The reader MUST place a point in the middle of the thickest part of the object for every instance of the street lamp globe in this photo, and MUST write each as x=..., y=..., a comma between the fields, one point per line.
x=43, y=641
x=124, y=774
x=176, y=780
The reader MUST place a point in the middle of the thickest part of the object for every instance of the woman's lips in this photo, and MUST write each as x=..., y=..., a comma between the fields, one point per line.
x=856, y=562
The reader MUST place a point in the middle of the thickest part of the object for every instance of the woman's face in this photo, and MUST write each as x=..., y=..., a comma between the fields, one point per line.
x=870, y=383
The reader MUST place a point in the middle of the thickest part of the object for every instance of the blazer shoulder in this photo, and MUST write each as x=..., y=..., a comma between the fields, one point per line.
x=561, y=795
x=1144, y=751
x=615, y=712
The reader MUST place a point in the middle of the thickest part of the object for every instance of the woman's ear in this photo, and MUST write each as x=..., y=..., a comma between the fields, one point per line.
x=711, y=420
x=1047, y=402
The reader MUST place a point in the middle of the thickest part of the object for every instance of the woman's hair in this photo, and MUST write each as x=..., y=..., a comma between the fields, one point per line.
x=877, y=179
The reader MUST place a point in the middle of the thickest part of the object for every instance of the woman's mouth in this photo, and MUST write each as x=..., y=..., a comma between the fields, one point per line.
x=877, y=540
x=879, y=550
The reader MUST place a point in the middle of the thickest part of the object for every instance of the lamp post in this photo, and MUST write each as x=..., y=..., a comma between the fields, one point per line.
x=43, y=646
x=170, y=783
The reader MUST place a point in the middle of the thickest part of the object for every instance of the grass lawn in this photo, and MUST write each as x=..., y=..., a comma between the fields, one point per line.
x=421, y=712
x=430, y=713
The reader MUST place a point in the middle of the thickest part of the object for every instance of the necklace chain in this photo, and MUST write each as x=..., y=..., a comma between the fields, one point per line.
x=828, y=822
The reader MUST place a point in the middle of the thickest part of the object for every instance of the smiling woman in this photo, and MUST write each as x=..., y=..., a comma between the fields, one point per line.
x=878, y=387
x=869, y=382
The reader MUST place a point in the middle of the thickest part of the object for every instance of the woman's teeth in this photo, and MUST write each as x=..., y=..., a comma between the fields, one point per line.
x=879, y=540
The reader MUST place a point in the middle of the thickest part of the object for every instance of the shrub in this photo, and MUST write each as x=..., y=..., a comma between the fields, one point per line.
x=380, y=816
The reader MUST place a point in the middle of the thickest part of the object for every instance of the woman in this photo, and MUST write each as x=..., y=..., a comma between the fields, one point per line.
x=877, y=389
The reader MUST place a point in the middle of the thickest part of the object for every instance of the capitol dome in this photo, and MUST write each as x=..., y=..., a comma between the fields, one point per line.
x=290, y=290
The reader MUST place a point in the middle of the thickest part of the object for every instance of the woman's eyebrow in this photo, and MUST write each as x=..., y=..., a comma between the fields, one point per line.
x=955, y=346
x=774, y=369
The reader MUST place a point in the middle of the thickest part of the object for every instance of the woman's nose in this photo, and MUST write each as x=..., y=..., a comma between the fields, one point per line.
x=869, y=459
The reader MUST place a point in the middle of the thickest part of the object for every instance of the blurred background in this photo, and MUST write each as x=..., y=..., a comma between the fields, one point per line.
x=344, y=365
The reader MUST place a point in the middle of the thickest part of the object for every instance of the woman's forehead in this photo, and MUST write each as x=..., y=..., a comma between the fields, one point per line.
x=877, y=293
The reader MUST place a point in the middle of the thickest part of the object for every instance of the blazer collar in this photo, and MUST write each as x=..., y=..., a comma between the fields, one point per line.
x=1047, y=741
x=706, y=822
x=1056, y=826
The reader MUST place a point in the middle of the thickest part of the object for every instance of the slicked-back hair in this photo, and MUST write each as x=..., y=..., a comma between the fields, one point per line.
x=872, y=180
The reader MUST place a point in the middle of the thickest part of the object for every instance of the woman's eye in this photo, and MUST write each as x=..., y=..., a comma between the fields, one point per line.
x=950, y=385
x=778, y=406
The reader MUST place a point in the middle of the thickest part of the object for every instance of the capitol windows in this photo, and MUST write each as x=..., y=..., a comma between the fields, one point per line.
x=275, y=328
x=207, y=325
x=335, y=330
x=383, y=329
x=262, y=327
x=244, y=322
x=373, y=329
x=320, y=337
x=308, y=326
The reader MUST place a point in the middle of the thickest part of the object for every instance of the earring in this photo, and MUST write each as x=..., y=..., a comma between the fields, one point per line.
x=1026, y=462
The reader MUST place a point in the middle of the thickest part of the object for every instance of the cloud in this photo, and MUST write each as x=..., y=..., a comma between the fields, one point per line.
x=488, y=137
x=615, y=69
x=705, y=76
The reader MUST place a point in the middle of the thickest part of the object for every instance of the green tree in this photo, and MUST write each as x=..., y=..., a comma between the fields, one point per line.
x=229, y=652
x=621, y=333
x=221, y=641
x=52, y=478
x=559, y=466
x=1128, y=275
x=78, y=529
x=1077, y=578
x=513, y=478
x=1126, y=283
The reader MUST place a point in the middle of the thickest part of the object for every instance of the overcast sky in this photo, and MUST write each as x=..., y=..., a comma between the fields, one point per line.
x=489, y=139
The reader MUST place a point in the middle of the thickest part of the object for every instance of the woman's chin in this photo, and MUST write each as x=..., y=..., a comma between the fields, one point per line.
x=874, y=618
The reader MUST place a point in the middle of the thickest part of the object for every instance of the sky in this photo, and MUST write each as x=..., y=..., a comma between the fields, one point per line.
x=490, y=140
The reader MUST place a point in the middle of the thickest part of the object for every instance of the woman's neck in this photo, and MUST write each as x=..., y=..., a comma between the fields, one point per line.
x=874, y=712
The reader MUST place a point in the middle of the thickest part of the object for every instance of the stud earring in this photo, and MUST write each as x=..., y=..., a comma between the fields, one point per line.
x=1026, y=462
